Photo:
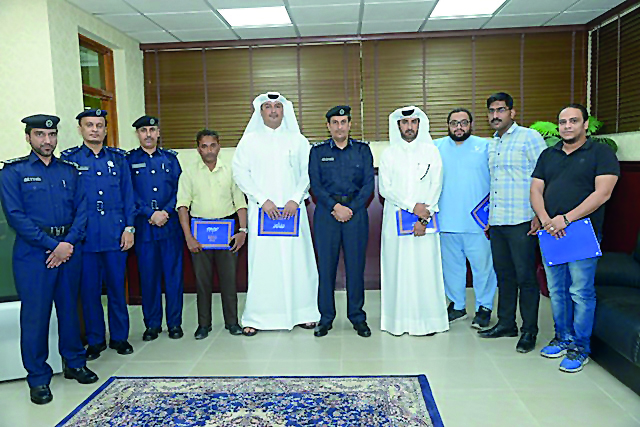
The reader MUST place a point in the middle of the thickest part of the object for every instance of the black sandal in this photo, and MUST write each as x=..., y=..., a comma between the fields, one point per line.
x=309, y=325
x=249, y=332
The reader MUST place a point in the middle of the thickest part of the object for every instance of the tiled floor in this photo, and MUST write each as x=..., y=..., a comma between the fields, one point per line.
x=475, y=382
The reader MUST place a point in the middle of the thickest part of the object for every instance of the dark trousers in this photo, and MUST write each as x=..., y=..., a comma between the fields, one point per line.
x=39, y=288
x=514, y=260
x=352, y=236
x=110, y=267
x=226, y=267
x=156, y=259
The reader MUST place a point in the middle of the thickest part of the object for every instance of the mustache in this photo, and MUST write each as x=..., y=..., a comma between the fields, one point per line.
x=496, y=120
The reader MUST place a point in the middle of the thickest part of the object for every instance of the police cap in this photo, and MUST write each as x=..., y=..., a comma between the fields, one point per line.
x=41, y=121
x=92, y=113
x=145, y=121
x=339, y=110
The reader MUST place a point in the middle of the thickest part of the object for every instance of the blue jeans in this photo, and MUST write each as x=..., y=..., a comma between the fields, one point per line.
x=573, y=300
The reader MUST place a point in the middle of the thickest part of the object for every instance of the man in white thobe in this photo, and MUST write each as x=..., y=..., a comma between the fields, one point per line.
x=270, y=166
x=413, y=297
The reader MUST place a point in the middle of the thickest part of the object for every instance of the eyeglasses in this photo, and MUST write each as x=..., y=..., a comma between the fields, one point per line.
x=498, y=110
x=454, y=123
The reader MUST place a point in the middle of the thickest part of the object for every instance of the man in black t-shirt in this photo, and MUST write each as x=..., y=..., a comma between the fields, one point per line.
x=572, y=180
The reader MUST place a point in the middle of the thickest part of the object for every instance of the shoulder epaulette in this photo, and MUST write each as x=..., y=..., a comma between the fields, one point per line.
x=71, y=150
x=166, y=150
x=133, y=150
x=16, y=160
x=317, y=144
x=116, y=150
x=361, y=142
x=70, y=163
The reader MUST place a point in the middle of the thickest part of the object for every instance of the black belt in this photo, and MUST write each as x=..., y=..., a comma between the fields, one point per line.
x=56, y=231
x=343, y=199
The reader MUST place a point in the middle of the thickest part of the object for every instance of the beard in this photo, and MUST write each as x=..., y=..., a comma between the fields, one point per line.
x=460, y=138
x=409, y=135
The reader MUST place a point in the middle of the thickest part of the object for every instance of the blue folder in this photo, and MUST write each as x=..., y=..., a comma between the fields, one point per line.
x=280, y=226
x=579, y=243
x=481, y=213
x=213, y=233
x=406, y=219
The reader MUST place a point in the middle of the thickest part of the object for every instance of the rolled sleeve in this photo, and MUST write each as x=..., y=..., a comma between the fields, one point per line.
x=239, y=200
x=184, y=197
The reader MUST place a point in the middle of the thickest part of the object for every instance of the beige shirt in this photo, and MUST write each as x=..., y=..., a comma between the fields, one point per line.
x=209, y=194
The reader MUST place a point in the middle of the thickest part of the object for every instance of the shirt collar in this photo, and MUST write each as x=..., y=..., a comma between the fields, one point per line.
x=89, y=152
x=586, y=146
x=203, y=165
x=33, y=158
x=511, y=130
x=332, y=143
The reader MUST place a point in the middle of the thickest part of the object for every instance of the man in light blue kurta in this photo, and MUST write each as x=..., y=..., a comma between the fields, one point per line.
x=465, y=163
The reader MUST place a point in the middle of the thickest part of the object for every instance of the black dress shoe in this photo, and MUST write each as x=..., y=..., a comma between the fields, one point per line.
x=40, y=394
x=322, y=330
x=202, y=332
x=234, y=329
x=93, y=351
x=83, y=375
x=151, y=334
x=122, y=347
x=362, y=329
x=175, y=332
x=499, y=332
x=526, y=343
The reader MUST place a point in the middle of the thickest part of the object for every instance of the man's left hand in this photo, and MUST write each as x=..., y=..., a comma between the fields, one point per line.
x=238, y=241
x=289, y=209
x=556, y=227
x=126, y=241
x=159, y=218
x=419, y=229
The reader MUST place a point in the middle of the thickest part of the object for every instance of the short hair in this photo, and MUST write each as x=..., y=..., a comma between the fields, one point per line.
x=206, y=132
x=460, y=110
x=101, y=117
x=500, y=96
x=582, y=108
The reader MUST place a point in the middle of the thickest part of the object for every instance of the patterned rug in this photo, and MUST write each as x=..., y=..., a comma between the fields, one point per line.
x=393, y=401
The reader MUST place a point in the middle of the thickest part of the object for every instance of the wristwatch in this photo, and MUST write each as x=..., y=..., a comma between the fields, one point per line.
x=130, y=229
x=244, y=230
x=566, y=221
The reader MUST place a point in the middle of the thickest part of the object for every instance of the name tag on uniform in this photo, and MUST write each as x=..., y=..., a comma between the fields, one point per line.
x=480, y=213
x=280, y=226
x=32, y=179
x=83, y=168
x=213, y=233
x=328, y=159
x=138, y=165
x=405, y=221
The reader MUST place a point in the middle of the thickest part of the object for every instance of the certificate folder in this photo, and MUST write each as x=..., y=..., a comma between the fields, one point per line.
x=279, y=226
x=480, y=213
x=406, y=219
x=213, y=233
x=579, y=243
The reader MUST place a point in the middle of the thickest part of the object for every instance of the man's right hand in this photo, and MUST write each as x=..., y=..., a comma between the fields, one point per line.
x=270, y=209
x=342, y=213
x=421, y=210
x=159, y=218
x=193, y=245
x=60, y=254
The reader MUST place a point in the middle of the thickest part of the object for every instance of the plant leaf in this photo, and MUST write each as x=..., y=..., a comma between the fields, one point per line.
x=551, y=140
x=594, y=125
x=610, y=142
x=546, y=129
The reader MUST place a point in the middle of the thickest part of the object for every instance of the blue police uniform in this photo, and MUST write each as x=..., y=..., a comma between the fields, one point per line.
x=45, y=205
x=159, y=249
x=107, y=184
x=344, y=176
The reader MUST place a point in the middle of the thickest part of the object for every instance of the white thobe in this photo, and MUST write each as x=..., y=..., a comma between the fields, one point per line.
x=412, y=285
x=283, y=277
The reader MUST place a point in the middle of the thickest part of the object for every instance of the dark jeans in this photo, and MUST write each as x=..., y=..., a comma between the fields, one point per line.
x=514, y=260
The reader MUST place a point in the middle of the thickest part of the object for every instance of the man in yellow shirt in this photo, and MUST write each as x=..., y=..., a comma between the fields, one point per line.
x=207, y=191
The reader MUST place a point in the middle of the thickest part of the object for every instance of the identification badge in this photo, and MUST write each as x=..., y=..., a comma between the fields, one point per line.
x=328, y=159
x=213, y=233
x=138, y=165
x=405, y=221
x=280, y=226
x=32, y=179
x=83, y=168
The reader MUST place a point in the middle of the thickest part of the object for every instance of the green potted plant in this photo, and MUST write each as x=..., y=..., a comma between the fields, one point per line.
x=551, y=134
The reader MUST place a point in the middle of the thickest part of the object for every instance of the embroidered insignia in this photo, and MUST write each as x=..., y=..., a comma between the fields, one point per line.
x=328, y=159
x=32, y=179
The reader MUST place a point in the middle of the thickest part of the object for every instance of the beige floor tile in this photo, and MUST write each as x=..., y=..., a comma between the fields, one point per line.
x=155, y=369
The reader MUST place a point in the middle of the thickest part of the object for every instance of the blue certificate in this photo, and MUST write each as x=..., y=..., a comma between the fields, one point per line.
x=213, y=233
x=406, y=219
x=579, y=243
x=280, y=226
x=480, y=213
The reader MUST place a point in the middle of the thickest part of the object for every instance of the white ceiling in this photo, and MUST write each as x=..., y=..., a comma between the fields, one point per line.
x=161, y=21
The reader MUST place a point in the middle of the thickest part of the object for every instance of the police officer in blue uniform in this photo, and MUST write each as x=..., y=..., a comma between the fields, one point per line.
x=44, y=204
x=342, y=179
x=159, y=241
x=104, y=173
